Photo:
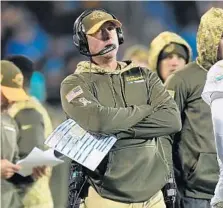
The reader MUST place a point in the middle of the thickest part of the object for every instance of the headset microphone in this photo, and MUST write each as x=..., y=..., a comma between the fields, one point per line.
x=105, y=50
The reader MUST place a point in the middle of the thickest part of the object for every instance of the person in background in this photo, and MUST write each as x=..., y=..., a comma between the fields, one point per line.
x=168, y=52
x=106, y=96
x=33, y=123
x=13, y=185
x=194, y=148
x=138, y=54
x=213, y=96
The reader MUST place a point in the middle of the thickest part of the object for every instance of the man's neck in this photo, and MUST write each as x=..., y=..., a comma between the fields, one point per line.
x=106, y=63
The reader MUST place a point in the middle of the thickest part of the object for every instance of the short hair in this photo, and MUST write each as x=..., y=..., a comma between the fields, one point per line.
x=24, y=64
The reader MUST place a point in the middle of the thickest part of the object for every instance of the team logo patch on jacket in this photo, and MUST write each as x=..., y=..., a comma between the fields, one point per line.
x=84, y=101
x=219, y=77
x=135, y=79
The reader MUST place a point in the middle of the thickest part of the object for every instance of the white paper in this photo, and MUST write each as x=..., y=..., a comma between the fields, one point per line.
x=37, y=158
x=74, y=142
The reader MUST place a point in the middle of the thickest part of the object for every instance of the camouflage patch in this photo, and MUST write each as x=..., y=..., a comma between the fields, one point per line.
x=172, y=93
x=75, y=92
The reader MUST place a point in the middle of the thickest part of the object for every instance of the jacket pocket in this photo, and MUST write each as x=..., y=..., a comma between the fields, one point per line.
x=134, y=173
x=204, y=176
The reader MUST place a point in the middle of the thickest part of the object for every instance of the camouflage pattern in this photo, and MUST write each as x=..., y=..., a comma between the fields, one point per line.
x=209, y=35
x=87, y=66
x=159, y=43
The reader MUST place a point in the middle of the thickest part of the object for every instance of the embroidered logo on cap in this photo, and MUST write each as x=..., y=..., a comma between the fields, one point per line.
x=97, y=15
x=18, y=79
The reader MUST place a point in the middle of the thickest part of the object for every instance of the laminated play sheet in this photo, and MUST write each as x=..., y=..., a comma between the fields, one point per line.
x=74, y=142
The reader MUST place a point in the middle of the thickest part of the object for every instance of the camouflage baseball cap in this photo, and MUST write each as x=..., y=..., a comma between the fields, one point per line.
x=12, y=82
x=96, y=19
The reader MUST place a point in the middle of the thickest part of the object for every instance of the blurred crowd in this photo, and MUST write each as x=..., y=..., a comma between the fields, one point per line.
x=42, y=31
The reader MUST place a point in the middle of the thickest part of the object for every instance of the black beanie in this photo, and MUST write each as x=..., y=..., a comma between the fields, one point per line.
x=174, y=48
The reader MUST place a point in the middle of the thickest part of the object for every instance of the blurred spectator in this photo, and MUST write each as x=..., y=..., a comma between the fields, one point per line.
x=53, y=64
x=37, y=86
x=168, y=52
x=27, y=37
x=72, y=58
x=138, y=54
x=33, y=123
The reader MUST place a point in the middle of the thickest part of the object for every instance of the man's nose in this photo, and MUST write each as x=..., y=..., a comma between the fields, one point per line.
x=174, y=61
x=106, y=35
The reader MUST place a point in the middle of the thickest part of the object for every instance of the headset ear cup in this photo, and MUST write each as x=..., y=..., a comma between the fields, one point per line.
x=83, y=42
x=120, y=36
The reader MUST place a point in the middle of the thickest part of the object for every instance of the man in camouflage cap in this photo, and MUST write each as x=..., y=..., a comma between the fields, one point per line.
x=12, y=82
x=33, y=122
x=11, y=92
x=106, y=96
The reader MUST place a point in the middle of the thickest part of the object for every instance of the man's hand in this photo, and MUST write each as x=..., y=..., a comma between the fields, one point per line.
x=8, y=169
x=38, y=172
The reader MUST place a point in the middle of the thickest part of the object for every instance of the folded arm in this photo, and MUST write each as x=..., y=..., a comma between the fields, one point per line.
x=165, y=118
x=92, y=116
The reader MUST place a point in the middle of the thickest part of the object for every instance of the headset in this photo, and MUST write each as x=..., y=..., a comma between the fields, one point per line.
x=80, y=39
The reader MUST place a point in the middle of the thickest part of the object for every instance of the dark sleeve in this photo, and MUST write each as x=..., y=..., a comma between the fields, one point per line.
x=165, y=119
x=93, y=116
x=31, y=131
x=18, y=179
